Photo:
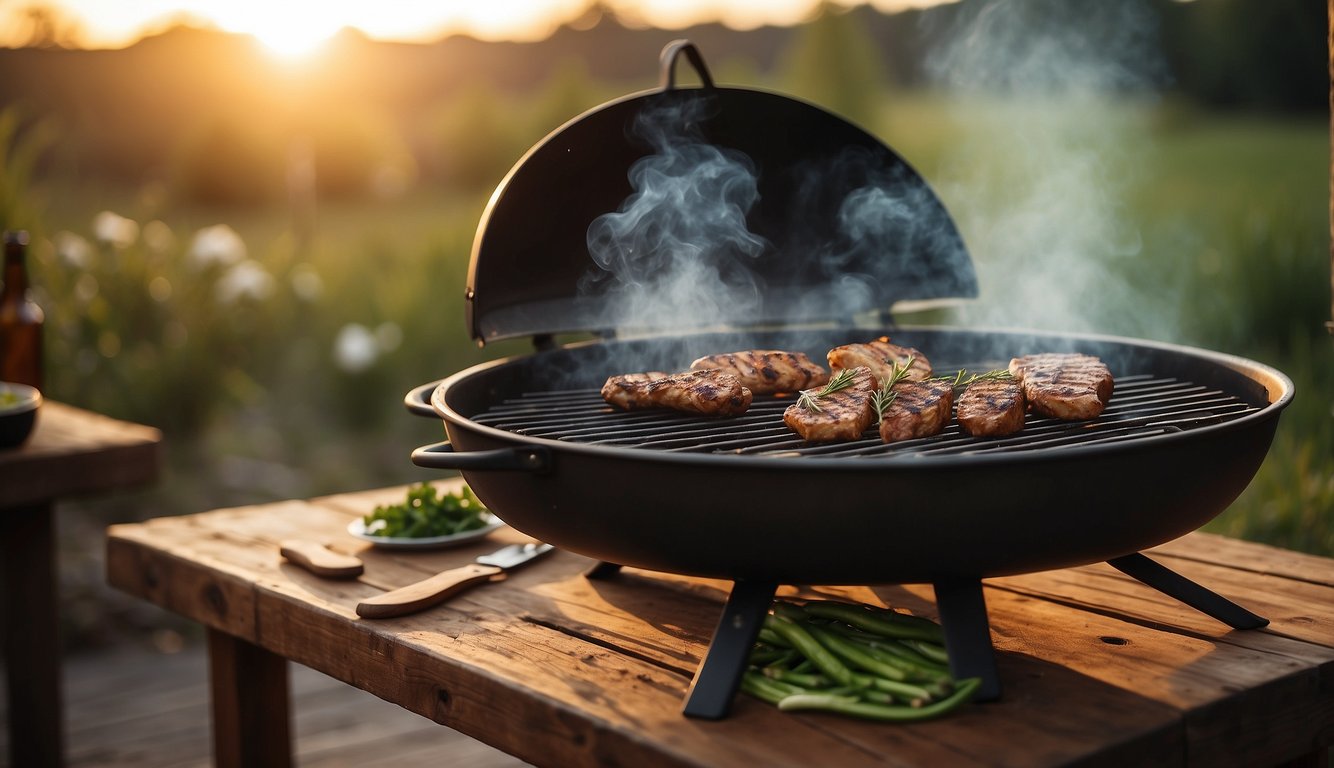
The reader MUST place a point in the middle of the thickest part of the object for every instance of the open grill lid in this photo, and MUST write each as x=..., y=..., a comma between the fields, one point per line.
x=797, y=214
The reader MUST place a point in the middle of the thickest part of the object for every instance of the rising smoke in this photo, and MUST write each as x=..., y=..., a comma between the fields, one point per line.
x=1038, y=181
x=1037, y=184
x=678, y=252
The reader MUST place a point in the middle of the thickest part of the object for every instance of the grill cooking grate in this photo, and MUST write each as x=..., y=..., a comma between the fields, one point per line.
x=1141, y=406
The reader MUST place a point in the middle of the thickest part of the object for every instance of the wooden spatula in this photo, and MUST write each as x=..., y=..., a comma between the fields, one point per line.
x=319, y=559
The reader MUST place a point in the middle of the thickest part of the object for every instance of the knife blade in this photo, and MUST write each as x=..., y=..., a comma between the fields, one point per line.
x=428, y=592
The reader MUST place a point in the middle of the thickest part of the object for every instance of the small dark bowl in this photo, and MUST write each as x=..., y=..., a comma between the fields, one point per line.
x=18, y=413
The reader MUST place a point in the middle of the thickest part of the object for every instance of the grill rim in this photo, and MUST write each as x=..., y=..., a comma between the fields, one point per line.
x=1278, y=386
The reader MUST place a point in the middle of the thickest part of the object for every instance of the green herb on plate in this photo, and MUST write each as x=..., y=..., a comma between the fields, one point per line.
x=428, y=513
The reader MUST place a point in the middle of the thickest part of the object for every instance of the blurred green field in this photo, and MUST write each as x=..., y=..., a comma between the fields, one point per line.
x=1214, y=233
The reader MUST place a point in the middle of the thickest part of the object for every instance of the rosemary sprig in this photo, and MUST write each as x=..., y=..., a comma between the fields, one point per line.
x=842, y=380
x=881, y=399
x=962, y=379
x=884, y=397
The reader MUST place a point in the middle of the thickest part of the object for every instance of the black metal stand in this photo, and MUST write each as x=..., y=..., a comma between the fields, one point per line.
x=1173, y=584
x=602, y=570
x=963, y=618
x=718, y=677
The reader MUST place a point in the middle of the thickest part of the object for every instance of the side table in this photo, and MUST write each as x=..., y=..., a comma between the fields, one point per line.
x=70, y=452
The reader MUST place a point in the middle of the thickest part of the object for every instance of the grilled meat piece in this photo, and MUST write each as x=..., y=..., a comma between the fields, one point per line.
x=637, y=378
x=1072, y=387
x=880, y=356
x=765, y=372
x=991, y=408
x=711, y=393
x=823, y=415
x=919, y=409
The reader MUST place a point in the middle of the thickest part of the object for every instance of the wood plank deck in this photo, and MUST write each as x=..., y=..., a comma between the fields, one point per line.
x=134, y=706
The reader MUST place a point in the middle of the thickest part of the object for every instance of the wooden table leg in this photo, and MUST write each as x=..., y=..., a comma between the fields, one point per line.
x=251, y=716
x=28, y=601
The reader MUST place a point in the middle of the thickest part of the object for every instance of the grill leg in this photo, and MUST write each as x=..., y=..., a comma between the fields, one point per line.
x=1173, y=584
x=719, y=675
x=602, y=570
x=963, y=617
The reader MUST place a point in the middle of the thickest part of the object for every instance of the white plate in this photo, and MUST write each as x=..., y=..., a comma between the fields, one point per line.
x=358, y=529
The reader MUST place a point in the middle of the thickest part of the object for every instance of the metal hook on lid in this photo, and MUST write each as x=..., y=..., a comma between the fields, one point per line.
x=667, y=62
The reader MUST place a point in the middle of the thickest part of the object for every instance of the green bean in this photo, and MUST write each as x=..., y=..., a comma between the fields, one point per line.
x=914, y=695
x=857, y=660
x=762, y=688
x=807, y=646
x=913, y=655
x=889, y=614
x=838, y=690
x=796, y=678
x=929, y=650
x=790, y=611
x=906, y=649
x=762, y=656
x=879, y=623
x=874, y=711
x=848, y=651
x=893, y=652
x=915, y=666
x=877, y=696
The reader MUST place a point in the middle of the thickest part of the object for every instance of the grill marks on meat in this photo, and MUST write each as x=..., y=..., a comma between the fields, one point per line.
x=766, y=372
x=842, y=415
x=991, y=408
x=709, y=393
x=1064, y=386
x=881, y=357
x=919, y=409
x=637, y=378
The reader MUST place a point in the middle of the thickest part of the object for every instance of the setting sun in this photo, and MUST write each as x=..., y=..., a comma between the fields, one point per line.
x=293, y=29
x=292, y=42
x=286, y=30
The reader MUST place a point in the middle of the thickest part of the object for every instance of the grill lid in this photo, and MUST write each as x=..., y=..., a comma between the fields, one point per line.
x=704, y=207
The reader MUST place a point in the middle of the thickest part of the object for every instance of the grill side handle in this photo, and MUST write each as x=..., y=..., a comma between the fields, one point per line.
x=418, y=400
x=443, y=456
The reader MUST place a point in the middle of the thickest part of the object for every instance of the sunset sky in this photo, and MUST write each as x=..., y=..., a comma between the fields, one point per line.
x=295, y=25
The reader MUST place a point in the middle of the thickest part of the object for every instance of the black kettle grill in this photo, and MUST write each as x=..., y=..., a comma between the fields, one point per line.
x=743, y=498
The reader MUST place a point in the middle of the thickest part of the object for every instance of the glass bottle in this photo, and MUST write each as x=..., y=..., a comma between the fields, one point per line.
x=20, y=318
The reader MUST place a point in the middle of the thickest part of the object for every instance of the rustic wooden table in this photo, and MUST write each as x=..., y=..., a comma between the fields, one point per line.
x=70, y=452
x=561, y=670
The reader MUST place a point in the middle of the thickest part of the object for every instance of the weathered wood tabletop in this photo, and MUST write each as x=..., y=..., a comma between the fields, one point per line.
x=70, y=452
x=561, y=670
x=73, y=451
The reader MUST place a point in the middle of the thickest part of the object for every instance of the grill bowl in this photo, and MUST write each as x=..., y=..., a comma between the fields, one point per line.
x=910, y=516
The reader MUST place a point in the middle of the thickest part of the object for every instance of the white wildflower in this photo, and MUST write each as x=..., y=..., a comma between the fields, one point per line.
x=307, y=283
x=355, y=348
x=115, y=230
x=158, y=236
x=73, y=250
x=246, y=280
x=218, y=245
